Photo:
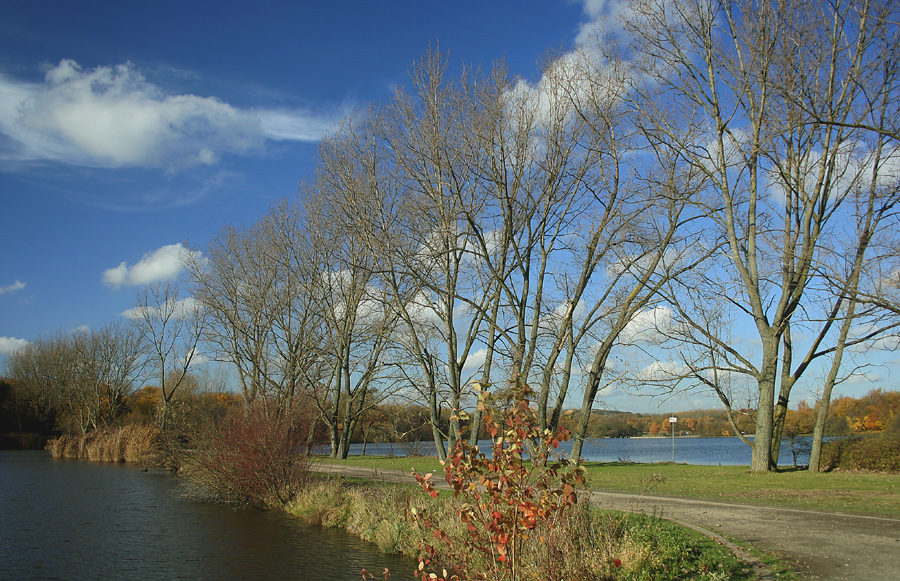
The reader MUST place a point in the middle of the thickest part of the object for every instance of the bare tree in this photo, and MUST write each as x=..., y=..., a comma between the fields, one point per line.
x=428, y=132
x=82, y=379
x=171, y=329
x=260, y=313
x=109, y=362
x=352, y=305
x=766, y=102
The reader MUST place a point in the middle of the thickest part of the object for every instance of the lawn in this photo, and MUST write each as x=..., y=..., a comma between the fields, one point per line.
x=857, y=493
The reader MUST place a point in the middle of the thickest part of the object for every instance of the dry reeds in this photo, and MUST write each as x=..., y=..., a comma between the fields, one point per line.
x=134, y=443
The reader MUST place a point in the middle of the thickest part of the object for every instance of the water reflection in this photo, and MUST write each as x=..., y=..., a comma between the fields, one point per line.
x=79, y=520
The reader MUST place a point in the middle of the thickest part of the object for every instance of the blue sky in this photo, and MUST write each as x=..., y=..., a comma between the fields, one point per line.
x=128, y=128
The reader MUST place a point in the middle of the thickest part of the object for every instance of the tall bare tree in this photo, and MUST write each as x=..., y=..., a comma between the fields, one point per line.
x=433, y=165
x=764, y=101
x=353, y=307
x=171, y=328
x=261, y=316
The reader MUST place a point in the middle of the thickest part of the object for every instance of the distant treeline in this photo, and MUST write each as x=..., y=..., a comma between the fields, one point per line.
x=877, y=411
x=25, y=423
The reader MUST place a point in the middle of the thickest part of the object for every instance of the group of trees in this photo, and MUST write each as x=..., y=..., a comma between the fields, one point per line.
x=702, y=198
x=710, y=169
x=785, y=114
x=73, y=382
x=82, y=380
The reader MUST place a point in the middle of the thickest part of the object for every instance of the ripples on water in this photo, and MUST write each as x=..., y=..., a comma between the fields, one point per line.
x=66, y=519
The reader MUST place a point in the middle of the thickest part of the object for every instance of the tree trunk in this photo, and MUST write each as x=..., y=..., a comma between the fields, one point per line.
x=761, y=459
x=434, y=411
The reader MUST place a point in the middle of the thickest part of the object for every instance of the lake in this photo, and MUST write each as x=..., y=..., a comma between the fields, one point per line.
x=69, y=519
x=688, y=450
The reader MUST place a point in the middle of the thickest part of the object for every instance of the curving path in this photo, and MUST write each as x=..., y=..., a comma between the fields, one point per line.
x=818, y=545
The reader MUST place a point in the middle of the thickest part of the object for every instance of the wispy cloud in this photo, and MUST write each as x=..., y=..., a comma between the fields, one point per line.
x=112, y=116
x=162, y=264
x=16, y=286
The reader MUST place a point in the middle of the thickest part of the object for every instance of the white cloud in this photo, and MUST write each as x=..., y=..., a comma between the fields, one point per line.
x=286, y=125
x=662, y=371
x=178, y=309
x=162, y=264
x=10, y=344
x=16, y=286
x=474, y=362
x=603, y=15
x=112, y=116
x=423, y=310
x=646, y=324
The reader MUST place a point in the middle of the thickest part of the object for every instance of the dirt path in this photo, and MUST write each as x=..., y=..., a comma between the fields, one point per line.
x=819, y=545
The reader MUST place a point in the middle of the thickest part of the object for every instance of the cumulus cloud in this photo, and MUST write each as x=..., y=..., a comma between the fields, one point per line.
x=474, y=362
x=162, y=264
x=10, y=344
x=112, y=116
x=661, y=371
x=647, y=324
x=602, y=16
x=9, y=289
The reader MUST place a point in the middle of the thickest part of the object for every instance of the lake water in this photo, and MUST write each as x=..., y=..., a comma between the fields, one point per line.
x=688, y=450
x=67, y=519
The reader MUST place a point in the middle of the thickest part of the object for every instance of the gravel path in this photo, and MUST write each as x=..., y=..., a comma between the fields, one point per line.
x=819, y=545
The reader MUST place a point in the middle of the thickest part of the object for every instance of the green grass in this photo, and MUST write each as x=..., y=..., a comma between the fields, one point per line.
x=857, y=493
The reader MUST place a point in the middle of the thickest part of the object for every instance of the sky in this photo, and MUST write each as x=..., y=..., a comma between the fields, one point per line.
x=129, y=130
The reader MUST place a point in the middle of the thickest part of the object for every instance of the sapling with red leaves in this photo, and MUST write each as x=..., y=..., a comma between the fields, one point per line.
x=504, y=500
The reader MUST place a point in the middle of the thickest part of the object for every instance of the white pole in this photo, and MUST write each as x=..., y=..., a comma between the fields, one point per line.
x=673, y=442
x=672, y=421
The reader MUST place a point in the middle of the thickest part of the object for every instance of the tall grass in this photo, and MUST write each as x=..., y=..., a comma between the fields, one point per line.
x=135, y=443
x=585, y=544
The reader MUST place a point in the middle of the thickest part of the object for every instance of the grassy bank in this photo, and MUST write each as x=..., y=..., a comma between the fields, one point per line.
x=858, y=493
x=589, y=544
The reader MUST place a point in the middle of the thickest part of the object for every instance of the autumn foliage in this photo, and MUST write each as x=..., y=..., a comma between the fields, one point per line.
x=505, y=502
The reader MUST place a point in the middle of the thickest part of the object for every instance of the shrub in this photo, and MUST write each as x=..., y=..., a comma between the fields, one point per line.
x=588, y=544
x=511, y=510
x=879, y=453
x=253, y=457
